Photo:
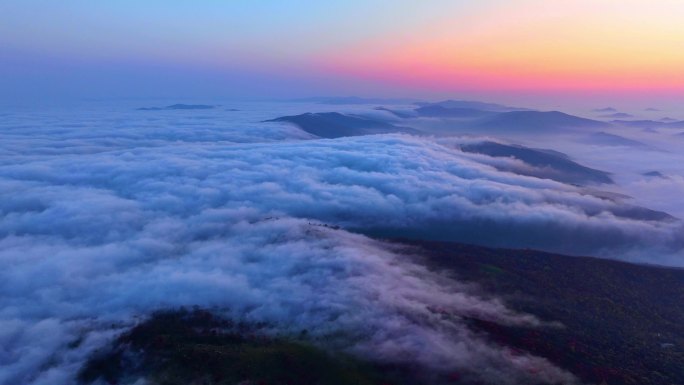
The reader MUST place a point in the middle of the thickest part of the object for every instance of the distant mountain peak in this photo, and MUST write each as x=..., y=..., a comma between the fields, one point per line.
x=336, y=125
x=606, y=109
x=436, y=110
x=475, y=105
x=618, y=115
x=544, y=163
x=537, y=121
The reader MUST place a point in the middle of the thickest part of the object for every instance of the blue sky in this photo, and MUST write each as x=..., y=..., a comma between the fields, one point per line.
x=494, y=49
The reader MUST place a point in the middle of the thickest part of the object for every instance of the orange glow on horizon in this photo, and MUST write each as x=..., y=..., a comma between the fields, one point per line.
x=534, y=45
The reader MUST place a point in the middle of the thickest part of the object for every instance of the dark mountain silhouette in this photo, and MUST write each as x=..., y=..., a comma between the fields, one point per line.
x=654, y=174
x=640, y=123
x=545, y=164
x=670, y=123
x=618, y=115
x=607, y=195
x=189, y=107
x=622, y=322
x=438, y=111
x=626, y=210
x=200, y=347
x=606, y=139
x=641, y=214
x=336, y=125
x=607, y=109
x=469, y=104
x=668, y=120
x=531, y=121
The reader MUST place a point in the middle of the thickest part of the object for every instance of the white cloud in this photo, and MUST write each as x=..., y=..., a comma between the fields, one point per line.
x=287, y=272
x=102, y=224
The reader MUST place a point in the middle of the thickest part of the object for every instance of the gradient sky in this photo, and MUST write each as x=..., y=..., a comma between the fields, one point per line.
x=430, y=48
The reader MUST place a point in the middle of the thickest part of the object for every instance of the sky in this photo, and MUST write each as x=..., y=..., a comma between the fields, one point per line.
x=491, y=49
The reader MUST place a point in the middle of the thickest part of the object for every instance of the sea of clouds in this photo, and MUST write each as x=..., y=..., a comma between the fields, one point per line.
x=109, y=214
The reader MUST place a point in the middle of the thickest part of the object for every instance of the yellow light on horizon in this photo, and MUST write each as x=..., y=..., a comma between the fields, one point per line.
x=539, y=44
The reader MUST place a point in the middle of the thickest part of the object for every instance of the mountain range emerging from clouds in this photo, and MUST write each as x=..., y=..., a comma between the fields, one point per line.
x=339, y=241
x=341, y=192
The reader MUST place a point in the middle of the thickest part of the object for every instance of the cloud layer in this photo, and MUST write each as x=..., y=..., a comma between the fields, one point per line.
x=65, y=296
x=106, y=220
